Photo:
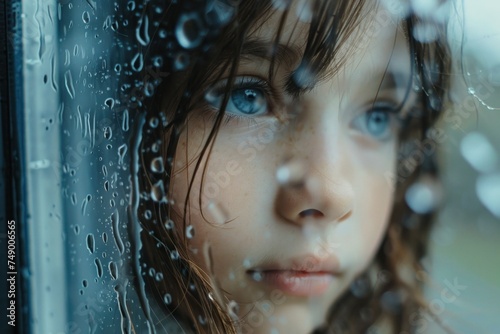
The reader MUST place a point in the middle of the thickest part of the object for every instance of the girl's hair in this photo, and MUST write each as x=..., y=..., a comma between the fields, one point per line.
x=390, y=291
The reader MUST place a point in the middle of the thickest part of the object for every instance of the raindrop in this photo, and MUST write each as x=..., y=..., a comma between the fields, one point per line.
x=157, y=165
x=233, y=309
x=125, y=121
x=281, y=4
x=218, y=213
x=149, y=89
x=106, y=185
x=391, y=302
x=115, y=223
x=190, y=232
x=141, y=32
x=304, y=77
x=189, y=31
x=246, y=263
x=257, y=276
x=137, y=62
x=181, y=61
x=159, y=277
x=109, y=102
x=424, y=196
x=77, y=229
x=157, y=61
x=291, y=173
x=425, y=32
x=85, y=202
x=104, y=237
x=488, y=192
x=73, y=199
x=131, y=5
x=90, y=243
x=148, y=214
x=479, y=152
x=167, y=299
x=169, y=224
x=84, y=283
x=158, y=192
x=174, y=255
x=122, y=150
x=98, y=267
x=118, y=68
x=86, y=17
x=153, y=122
x=68, y=83
x=108, y=133
x=104, y=170
x=219, y=12
x=113, y=270
x=360, y=287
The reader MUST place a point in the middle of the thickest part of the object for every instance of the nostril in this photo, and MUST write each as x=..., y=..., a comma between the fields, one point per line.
x=311, y=213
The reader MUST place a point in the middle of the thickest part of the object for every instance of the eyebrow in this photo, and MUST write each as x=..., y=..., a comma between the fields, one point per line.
x=283, y=54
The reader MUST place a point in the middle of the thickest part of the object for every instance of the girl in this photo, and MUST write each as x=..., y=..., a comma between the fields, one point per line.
x=275, y=163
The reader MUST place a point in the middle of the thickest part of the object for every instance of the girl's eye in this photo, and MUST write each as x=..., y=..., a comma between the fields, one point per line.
x=248, y=97
x=378, y=123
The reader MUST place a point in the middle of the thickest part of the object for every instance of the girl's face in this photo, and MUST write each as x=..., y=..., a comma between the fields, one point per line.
x=296, y=191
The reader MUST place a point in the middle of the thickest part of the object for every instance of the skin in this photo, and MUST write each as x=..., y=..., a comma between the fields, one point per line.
x=339, y=211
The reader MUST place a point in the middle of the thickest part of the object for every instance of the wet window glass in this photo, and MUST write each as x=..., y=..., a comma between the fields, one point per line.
x=225, y=166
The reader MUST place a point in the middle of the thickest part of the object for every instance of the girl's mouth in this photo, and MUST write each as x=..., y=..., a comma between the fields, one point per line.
x=295, y=283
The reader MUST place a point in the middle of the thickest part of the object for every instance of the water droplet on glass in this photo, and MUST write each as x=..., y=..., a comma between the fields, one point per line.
x=291, y=173
x=148, y=214
x=424, y=196
x=77, y=229
x=153, y=122
x=425, y=32
x=122, y=150
x=181, y=61
x=113, y=270
x=115, y=223
x=104, y=237
x=90, y=243
x=190, y=232
x=189, y=30
x=479, y=152
x=257, y=276
x=247, y=264
x=391, y=302
x=131, y=5
x=174, y=254
x=304, y=11
x=142, y=31
x=109, y=102
x=98, y=267
x=169, y=224
x=157, y=165
x=106, y=185
x=158, y=192
x=233, y=309
x=218, y=213
x=108, y=133
x=118, y=68
x=137, y=62
x=84, y=283
x=304, y=77
x=281, y=4
x=488, y=192
x=159, y=277
x=149, y=89
x=73, y=199
x=360, y=287
x=125, y=121
x=167, y=299
x=68, y=83
x=85, y=17
x=85, y=202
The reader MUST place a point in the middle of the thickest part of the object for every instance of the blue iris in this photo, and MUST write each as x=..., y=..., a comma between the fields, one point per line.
x=378, y=123
x=248, y=101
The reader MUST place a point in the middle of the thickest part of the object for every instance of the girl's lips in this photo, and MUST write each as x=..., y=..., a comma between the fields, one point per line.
x=296, y=283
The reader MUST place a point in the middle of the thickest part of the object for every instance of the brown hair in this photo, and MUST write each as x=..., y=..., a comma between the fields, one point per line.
x=391, y=290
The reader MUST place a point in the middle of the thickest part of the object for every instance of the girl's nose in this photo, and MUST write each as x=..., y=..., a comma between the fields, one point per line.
x=317, y=197
x=315, y=184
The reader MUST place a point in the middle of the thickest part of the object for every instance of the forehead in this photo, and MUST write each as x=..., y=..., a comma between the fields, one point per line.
x=374, y=40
